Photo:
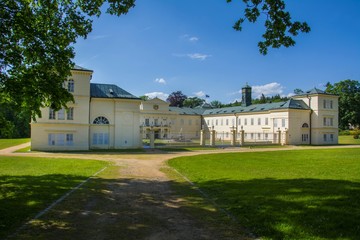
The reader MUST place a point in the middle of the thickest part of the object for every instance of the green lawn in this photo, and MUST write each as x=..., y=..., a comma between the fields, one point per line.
x=304, y=194
x=348, y=139
x=29, y=185
x=5, y=143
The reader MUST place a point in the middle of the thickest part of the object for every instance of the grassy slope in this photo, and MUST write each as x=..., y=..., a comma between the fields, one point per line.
x=29, y=185
x=307, y=194
x=5, y=143
x=348, y=139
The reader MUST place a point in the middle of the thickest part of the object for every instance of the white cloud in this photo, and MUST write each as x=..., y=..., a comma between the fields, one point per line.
x=160, y=80
x=198, y=56
x=194, y=56
x=160, y=95
x=189, y=38
x=269, y=89
x=200, y=94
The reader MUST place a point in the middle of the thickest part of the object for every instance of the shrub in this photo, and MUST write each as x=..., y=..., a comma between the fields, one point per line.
x=356, y=136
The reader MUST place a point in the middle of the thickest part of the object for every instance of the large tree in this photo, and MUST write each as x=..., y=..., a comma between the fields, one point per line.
x=36, y=47
x=176, y=99
x=279, y=27
x=37, y=38
x=349, y=101
x=192, y=102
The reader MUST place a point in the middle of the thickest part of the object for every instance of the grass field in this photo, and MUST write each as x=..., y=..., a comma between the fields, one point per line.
x=348, y=139
x=5, y=143
x=305, y=194
x=29, y=185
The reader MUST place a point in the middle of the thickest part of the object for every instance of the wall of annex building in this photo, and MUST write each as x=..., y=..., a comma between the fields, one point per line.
x=59, y=137
x=299, y=127
x=66, y=129
x=261, y=122
x=122, y=129
x=324, y=118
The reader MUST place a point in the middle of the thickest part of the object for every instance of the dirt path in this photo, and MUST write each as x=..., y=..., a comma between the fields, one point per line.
x=137, y=202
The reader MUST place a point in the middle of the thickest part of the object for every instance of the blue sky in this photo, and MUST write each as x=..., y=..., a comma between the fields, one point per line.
x=162, y=46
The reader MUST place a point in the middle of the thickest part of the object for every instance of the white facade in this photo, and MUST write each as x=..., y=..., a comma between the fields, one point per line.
x=105, y=116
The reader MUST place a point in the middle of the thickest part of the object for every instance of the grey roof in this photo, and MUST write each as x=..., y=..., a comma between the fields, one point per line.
x=187, y=111
x=98, y=90
x=77, y=67
x=290, y=104
x=313, y=91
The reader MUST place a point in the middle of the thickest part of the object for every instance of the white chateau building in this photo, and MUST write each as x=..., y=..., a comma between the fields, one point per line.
x=104, y=116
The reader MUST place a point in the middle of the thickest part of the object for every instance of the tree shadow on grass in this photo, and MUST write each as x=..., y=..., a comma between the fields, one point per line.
x=22, y=197
x=111, y=209
x=291, y=209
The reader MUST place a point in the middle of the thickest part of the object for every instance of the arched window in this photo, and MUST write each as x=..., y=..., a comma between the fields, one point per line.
x=101, y=120
x=305, y=125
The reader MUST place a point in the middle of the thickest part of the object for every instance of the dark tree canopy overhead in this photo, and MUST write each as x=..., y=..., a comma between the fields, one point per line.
x=36, y=41
x=280, y=29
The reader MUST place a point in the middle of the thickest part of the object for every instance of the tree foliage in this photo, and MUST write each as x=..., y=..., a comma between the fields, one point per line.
x=14, y=123
x=349, y=102
x=279, y=27
x=192, y=102
x=36, y=53
x=176, y=99
x=216, y=104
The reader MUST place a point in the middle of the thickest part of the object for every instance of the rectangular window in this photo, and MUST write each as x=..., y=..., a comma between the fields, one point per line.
x=147, y=122
x=239, y=121
x=259, y=121
x=233, y=122
x=283, y=122
x=252, y=121
x=51, y=139
x=69, y=139
x=227, y=122
x=266, y=121
x=60, y=139
x=207, y=122
x=259, y=136
x=71, y=85
x=275, y=123
x=328, y=104
x=245, y=121
x=252, y=136
x=331, y=137
x=216, y=122
x=156, y=122
x=61, y=114
x=190, y=121
x=328, y=121
x=52, y=113
x=266, y=136
x=70, y=114
x=100, y=139
x=304, y=137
